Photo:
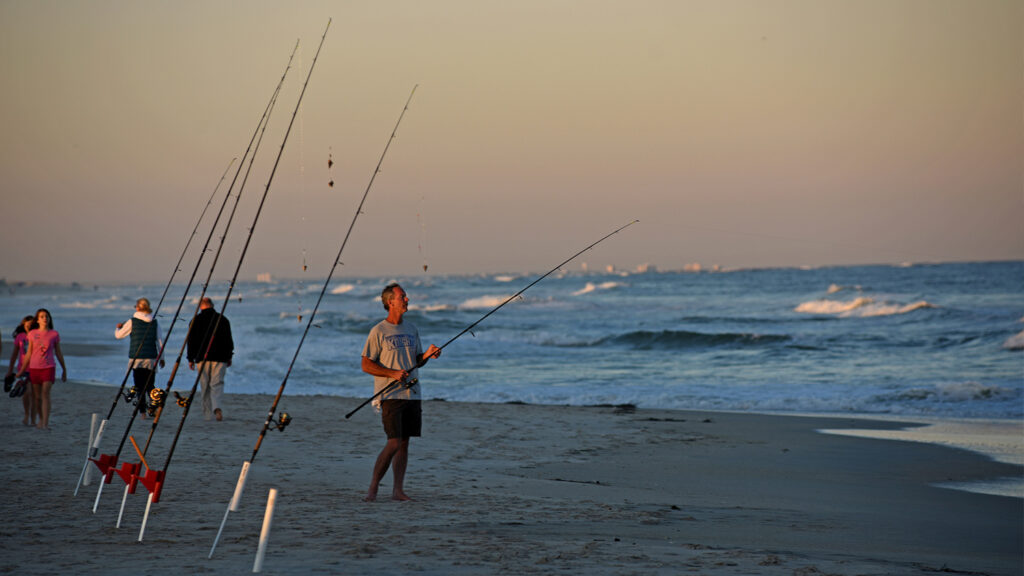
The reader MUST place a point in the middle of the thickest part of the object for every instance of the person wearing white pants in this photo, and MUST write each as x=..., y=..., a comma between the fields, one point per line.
x=211, y=348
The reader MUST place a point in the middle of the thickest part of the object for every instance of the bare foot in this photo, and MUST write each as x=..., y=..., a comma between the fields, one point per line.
x=400, y=496
x=218, y=414
x=370, y=497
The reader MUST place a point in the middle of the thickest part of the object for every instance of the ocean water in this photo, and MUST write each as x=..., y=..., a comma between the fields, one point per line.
x=937, y=340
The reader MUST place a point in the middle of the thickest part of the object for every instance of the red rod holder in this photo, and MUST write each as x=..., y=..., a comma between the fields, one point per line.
x=106, y=463
x=154, y=482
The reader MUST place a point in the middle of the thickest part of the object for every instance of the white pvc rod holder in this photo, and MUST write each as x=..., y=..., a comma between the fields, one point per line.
x=268, y=517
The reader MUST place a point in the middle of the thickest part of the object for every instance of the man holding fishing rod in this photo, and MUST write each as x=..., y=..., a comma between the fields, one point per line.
x=392, y=353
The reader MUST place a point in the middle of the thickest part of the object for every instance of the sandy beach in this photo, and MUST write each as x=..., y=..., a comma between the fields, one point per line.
x=509, y=489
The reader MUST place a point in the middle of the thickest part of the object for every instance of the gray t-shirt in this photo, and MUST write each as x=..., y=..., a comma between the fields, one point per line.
x=394, y=346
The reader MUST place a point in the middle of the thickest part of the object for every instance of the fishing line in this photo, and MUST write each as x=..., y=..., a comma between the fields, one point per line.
x=107, y=462
x=302, y=205
x=255, y=144
x=423, y=232
x=469, y=328
x=94, y=447
x=154, y=480
x=284, y=418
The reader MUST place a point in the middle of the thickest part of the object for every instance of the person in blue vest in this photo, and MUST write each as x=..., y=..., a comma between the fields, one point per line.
x=143, y=350
x=211, y=348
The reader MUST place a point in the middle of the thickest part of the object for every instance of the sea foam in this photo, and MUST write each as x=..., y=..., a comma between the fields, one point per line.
x=591, y=287
x=1015, y=342
x=863, y=307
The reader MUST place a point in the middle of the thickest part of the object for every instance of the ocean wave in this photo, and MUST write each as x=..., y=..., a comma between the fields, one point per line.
x=833, y=288
x=950, y=393
x=342, y=289
x=431, y=307
x=1015, y=342
x=680, y=339
x=483, y=302
x=110, y=303
x=591, y=287
x=861, y=307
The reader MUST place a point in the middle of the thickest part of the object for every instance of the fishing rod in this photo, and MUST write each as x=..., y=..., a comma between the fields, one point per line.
x=129, y=471
x=261, y=131
x=154, y=479
x=391, y=385
x=94, y=447
x=284, y=419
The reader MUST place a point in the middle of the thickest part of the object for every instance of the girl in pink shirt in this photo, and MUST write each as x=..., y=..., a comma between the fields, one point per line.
x=43, y=348
x=28, y=324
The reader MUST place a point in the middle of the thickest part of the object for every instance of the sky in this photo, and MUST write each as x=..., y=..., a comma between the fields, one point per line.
x=756, y=133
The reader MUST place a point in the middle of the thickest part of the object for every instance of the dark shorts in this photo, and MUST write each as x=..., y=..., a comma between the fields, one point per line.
x=401, y=418
x=40, y=375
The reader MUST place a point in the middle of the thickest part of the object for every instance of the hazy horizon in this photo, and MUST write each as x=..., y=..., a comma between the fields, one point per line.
x=740, y=134
x=573, y=268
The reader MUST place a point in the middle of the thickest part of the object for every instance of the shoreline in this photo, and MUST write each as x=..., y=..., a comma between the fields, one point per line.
x=512, y=488
x=1001, y=439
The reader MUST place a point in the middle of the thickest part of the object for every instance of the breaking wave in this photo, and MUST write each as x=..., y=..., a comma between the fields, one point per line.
x=833, y=288
x=342, y=289
x=111, y=303
x=483, y=302
x=1015, y=342
x=591, y=287
x=862, y=307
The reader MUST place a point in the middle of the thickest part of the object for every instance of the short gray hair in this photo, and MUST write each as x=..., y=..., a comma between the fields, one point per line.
x=385, y=295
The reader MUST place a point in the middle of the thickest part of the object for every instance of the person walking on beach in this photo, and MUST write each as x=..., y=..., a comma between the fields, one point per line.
x=212, y=352
x=143, y=349
x=392, y=352
x=28, y=324
x=43, y=348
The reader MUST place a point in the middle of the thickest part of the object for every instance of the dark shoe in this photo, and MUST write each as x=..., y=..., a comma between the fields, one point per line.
x=19, y=389
x=8, y=382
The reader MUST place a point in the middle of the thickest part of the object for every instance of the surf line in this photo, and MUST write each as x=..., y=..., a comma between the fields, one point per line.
x=95, y=446
x=284, y=419
x=154, y=479
x=129, y=471
x=394, y=383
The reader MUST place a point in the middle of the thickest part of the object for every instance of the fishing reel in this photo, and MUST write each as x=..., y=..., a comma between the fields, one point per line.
x=129, y=396
x=156, y=401
x=410, y=383
x=182, y=401
x=282, y=421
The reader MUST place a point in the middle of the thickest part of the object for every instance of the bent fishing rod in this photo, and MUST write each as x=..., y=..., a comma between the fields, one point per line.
x=284, y=419
x=260, y=132
x=94, y=447
x=395, y=383
x=129, y=471
x=154, y=480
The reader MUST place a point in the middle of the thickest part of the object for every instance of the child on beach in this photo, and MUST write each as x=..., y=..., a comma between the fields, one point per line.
x=22, y=388
x=43, y=347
